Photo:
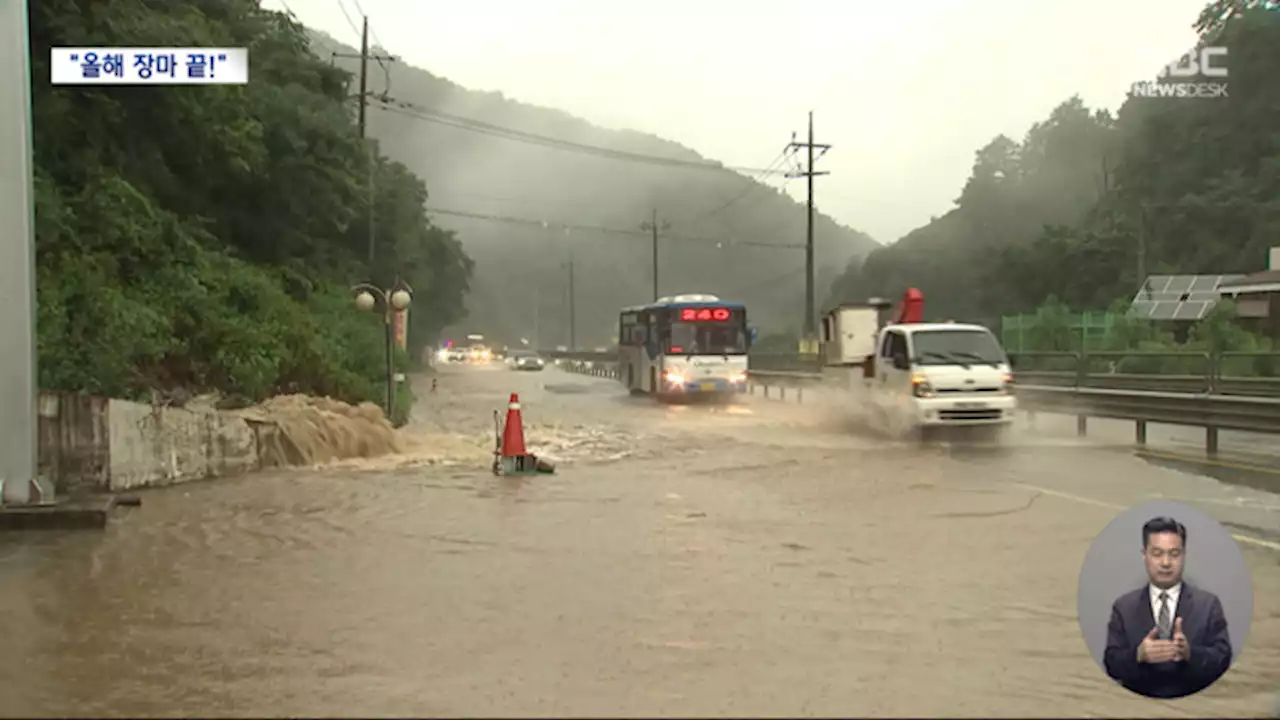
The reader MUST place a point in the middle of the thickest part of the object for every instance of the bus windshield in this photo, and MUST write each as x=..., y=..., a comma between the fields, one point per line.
x=952, y=347
x=706, y=339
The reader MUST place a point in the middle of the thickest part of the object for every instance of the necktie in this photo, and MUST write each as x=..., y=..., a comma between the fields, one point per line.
x=1164, y=622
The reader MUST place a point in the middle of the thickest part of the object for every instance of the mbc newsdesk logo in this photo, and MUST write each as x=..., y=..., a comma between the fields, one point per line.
x=1198, y=74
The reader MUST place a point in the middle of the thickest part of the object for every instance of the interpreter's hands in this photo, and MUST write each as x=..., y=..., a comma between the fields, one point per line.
x=1155, y=650
x=1180, y=643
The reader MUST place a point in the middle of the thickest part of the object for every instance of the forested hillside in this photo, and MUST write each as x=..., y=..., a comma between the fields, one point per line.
x=1068, y=211
x=485, y=154
x=205, y=237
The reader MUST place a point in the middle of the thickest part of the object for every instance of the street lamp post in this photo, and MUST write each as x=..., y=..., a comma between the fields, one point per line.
x=392, y=300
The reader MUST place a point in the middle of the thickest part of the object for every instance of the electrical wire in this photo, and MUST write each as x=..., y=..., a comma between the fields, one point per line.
x=754, y=183
x=354, y=28
x=484, y=128
x=529, y=222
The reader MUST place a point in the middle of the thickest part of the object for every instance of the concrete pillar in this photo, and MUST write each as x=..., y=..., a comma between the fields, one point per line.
x=17, y=261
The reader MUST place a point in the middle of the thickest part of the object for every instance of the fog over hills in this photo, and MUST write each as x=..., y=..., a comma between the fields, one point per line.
x=497, y=170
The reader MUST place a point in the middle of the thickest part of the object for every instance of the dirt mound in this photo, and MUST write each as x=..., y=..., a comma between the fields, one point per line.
x=300, y=430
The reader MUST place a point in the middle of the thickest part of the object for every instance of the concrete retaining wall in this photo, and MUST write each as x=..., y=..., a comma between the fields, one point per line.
x=90, y=444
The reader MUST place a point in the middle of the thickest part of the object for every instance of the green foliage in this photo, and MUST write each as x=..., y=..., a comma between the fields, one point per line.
x=1139, y=346
x=1064, y=213
x=204, y=238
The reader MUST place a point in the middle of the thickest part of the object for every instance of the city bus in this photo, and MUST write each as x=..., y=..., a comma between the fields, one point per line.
x=684, y=346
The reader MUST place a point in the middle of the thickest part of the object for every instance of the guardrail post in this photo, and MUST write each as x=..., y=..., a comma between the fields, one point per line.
x=1211, y=441
x=766, y=391
x=1082, y=376
x=800, y=395
x=1140, y=432
x=783, y=393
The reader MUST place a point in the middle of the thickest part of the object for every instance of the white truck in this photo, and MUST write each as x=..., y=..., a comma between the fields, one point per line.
x=917, y=377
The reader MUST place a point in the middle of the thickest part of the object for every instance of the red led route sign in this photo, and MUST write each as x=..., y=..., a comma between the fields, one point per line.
x=704, y=314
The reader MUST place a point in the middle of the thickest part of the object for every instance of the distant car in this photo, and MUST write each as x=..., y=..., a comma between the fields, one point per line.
x=525, y=360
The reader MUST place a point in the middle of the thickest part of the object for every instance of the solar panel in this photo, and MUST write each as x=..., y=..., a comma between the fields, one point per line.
x=1162, y=311
x=1191, y=310
x=1179, y=297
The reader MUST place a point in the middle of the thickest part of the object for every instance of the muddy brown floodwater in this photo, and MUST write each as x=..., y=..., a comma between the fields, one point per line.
x=758, y=559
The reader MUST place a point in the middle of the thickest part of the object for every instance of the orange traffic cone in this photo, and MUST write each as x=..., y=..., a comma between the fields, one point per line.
x=513, y=430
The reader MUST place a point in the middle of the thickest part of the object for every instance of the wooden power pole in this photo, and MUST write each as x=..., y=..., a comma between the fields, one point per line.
x=364, y=58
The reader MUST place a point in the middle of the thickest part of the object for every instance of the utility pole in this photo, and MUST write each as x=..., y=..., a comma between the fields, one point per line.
x=537, y=318
x=573, y=308
x=810, y=316
x=18, y=443
x=1144, y=223
x=364, y=58
x=655, y=226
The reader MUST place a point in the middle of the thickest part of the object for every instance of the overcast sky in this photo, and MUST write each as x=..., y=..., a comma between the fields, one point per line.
x=733, y=79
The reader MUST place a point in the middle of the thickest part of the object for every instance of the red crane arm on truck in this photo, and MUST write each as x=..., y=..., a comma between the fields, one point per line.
x=911, y=309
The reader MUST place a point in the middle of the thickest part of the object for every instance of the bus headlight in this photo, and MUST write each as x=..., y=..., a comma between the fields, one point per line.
x=674, y=377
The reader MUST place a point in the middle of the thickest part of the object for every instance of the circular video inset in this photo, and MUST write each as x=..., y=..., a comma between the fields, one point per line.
x=1165, y=600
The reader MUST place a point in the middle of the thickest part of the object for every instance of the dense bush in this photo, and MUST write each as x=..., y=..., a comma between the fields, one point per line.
x=204, y=238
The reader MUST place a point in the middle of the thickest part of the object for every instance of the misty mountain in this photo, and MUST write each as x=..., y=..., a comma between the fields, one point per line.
x=1090, y=203
x=520, y=166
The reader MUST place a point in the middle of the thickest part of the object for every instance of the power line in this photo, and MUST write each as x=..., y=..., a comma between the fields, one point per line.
x=484, y=128
x=342, y=6
x=381, y=63
x=752, y=184
x=529, y=222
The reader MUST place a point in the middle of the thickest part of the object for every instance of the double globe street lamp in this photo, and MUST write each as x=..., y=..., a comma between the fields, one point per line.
x=392, y=300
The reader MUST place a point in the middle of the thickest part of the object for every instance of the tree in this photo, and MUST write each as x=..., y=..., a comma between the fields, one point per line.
x=203, y=238
x=1194, y=182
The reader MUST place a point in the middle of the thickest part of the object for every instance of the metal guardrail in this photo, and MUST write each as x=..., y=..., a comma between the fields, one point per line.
x=1228, y=373
x=1212, y=411
x=1249, y=374
x=785, y=383
x=761, y=361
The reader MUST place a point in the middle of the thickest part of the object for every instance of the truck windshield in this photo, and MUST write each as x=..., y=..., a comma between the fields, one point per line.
x=705, y=339
x=952, y=347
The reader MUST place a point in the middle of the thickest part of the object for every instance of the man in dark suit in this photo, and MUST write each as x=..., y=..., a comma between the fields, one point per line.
x=1167, y=639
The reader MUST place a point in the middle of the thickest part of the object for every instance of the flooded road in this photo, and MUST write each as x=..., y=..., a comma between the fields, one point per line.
x=758, y=559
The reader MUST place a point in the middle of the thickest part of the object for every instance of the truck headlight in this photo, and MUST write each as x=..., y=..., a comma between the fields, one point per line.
x=674, y=377
x=920, y=386
x=737, y=378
